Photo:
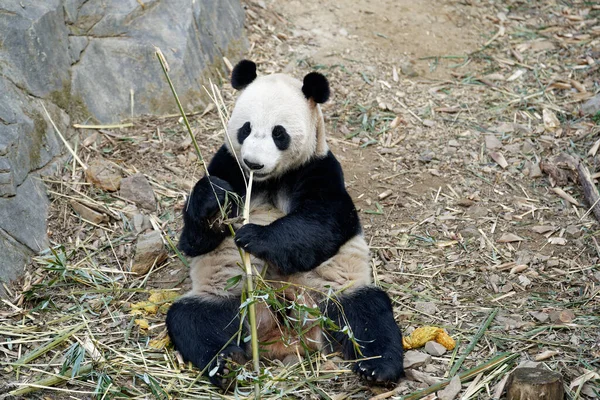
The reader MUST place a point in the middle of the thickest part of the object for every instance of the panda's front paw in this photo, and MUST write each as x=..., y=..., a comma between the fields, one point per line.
x=251, y=238
x=380, y=371
x=228, y=362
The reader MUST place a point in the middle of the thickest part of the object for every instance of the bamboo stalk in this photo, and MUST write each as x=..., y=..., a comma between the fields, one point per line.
x=48, y=346
x=165, y=68
x=464, y=377
x=250, y=295
x=473, y=343
x=50, y=381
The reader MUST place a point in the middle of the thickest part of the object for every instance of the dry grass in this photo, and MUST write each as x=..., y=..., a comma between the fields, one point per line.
x=491, y=253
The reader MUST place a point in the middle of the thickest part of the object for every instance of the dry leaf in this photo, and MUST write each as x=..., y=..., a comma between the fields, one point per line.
x=509, y=238
x=557, y=241
x=565, y=195
x=546, y=355
x=587, y=376
x=516, y=75
x=518, y=268
x=551, y=123
x=541, y=229
x=499, y=158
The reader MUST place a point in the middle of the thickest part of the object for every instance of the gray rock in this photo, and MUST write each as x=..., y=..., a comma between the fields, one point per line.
x=24, y=216
x=80, y=59
x=137, y=189
x=592, y=106
x=14, y=258
x=451, y=391
x=435, y=349
x=415, y=359
x=122, y=36
x=492, y=142
x=140, y=223
x=426, y=307
x=150, y=251
x=34, y=53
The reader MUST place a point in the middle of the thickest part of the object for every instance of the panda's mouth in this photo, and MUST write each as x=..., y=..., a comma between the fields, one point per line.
x=260, y=176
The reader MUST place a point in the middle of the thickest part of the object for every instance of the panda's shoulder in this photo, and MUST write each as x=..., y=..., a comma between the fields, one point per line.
x=326, y=168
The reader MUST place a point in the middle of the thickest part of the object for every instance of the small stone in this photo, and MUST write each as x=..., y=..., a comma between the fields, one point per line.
x=435, y=349
x=592, y=106
x=87, y=213
x=141, y=223
x=429, y=123
x=564, y=316
x=528, y=147
x=573, y=230
x=426, y=156
x=453, y=143
x=343, y=32
x=492, y=142
x=137, y=189
x=535, y=171
x=452, y=390
x=408, y=70
x=149, y=251
x=426, y=307
x=529, y=364
x=104, y=175
x=414, y=359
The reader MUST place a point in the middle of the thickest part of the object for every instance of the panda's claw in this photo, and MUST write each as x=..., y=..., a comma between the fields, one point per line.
x=227, y=362
x=381, y=371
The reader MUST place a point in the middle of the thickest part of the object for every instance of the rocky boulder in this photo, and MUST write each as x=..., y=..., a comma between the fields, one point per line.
x=92, y=60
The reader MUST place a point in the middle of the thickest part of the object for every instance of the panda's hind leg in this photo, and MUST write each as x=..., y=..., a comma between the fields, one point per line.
x=201, y=327
x=369, y=314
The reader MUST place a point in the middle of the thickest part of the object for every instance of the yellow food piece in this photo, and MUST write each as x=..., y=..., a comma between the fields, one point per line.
x=159, y=344
x=142, y=323
x=424, y=334
x=445, y=340
x=157, y=301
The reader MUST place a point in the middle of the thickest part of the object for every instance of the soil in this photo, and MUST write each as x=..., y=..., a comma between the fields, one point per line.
x=441, y=113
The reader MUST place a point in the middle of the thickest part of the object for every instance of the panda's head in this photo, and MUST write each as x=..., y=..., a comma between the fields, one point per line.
x=276, y=124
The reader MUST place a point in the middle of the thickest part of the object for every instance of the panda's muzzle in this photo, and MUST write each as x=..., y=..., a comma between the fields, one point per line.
x=253, y=166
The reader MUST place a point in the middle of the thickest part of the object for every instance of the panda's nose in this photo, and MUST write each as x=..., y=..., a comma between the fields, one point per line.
x=254, y=166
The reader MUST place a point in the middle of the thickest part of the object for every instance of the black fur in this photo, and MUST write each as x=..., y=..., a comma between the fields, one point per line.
x=201, y=233
x=368, y=312
x=281, y=138
x=200, y=329
x=243, y=74
x=310, y=233
x=244, y=132
x=316, y=87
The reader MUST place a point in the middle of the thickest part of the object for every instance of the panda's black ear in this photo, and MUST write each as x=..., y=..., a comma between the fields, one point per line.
x=243, y=74
x=316, y=87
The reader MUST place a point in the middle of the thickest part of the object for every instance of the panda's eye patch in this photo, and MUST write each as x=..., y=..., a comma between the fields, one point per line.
x=244, y=132
x=281, y=137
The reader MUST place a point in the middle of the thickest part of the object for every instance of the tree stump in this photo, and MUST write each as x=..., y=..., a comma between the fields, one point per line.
x=535, y=384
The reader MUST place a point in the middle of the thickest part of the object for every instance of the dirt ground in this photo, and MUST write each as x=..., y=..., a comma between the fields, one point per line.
x=458, y=125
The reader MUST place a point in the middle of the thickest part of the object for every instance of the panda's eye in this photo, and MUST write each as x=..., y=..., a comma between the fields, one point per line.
x=281, y=137
x=244, y=132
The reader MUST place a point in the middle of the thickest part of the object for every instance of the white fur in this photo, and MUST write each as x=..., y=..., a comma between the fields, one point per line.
x=269, y=101
x=346, y=271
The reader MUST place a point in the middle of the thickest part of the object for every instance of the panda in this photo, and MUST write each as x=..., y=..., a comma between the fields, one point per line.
x=304, y=231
